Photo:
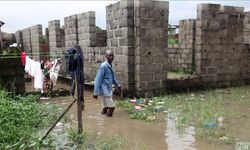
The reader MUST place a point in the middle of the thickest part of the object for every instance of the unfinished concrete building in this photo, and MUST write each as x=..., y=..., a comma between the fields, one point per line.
x=215, y=45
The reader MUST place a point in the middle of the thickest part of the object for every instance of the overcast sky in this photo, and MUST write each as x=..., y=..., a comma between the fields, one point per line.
x=18, y=15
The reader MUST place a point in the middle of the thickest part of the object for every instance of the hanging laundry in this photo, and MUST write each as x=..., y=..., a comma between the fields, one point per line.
x=55, y=70
x=33, y=68
x=47, y=83
x=75, y=68
x=28, y=65
x=38, y=77
x=23, y=57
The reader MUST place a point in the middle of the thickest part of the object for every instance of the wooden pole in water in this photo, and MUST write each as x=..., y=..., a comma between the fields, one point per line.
x=79, y=107
x=52, y=127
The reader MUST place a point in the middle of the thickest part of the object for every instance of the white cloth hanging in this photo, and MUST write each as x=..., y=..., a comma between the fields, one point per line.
x=33, y=68
x=27, y=68
x=54, y=71
x=38, y=76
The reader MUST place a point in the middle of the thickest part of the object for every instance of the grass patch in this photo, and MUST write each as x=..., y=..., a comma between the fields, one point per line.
x=203, y=110
x=178, y=74
x=70, y=139
x=21, y=117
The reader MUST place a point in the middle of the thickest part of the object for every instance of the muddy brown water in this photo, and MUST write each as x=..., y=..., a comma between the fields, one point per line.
x=140, y=134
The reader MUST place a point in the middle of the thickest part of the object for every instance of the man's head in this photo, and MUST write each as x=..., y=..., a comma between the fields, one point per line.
x=109, y=56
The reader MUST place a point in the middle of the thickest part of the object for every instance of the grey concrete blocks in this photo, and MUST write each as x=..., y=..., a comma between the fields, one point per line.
x=36, y=33
x=19, y=37
x=246, y=29
x=27, y=41
x=56, y=38
x=221, y=27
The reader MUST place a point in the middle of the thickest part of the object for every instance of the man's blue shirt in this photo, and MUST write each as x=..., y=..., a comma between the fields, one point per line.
x=104, y=80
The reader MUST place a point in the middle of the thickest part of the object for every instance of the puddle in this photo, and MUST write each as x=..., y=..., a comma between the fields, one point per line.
x=138, y=134
x=141, y=134
x=176, y=140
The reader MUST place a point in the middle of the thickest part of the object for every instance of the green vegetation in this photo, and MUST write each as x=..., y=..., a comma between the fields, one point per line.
x=24, y=121
x=21, y=118
x=137, y=114
x=172, y=41
x=11, y=53
x=203, y=110
x=70, y=139
x=178, y=74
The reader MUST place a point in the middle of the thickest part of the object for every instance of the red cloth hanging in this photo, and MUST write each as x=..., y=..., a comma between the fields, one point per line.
x=23, y=58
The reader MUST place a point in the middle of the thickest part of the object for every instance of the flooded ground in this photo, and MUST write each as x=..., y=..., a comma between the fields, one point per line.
x=140, y=134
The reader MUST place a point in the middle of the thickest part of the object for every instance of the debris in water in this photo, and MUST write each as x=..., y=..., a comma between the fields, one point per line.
x=132, y=101
x=59, y=124
x=210, y=125
x=160, y=103
x=157, y=108
x=138, y=107
x=220, y=120
x=151, y=118
x=44, y=98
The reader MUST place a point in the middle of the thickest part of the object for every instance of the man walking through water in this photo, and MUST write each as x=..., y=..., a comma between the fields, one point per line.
x=104, y=80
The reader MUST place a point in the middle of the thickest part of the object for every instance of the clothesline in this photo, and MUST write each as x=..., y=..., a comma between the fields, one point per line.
x=14, y=57
x=30, y=54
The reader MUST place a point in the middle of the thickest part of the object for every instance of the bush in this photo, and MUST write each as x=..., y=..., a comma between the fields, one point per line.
x=21, y=118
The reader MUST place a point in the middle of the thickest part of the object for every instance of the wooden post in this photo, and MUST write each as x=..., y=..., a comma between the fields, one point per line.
x=79, y=107
x=52, y=127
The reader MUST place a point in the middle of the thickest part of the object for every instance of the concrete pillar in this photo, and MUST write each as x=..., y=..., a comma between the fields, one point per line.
x=120, y=39
x=187, y=33
x=36, y=33
x=71, y=31
x=86, y=29
x=19, y=37
x=151, y=36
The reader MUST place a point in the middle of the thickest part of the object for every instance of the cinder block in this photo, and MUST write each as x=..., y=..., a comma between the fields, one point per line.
x=160, y=5
x=126, y=41
x=154, y=85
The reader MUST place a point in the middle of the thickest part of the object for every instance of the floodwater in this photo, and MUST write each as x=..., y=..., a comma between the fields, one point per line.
x=140, y=134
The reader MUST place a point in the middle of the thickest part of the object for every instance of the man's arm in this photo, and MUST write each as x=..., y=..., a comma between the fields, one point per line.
x=116, y=83
x=98, y=81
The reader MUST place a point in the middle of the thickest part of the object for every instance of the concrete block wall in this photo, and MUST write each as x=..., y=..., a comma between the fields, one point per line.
x=101, y=38
x=81, y=29
x=71, y=32
x=86, y=29
x=120, y=39
x=47, y=34
x=13, y=77
x=246, y=30
x=57, y=43
x=54, y=34
x=151, y=56
x=19, y=37
x=246, y=42
x=174, y=59
x=219, y=43
x=187, y=33
x=93, y=57
x=56, y=39
x=36, y=33
x=27, y=41
x=7, y=39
